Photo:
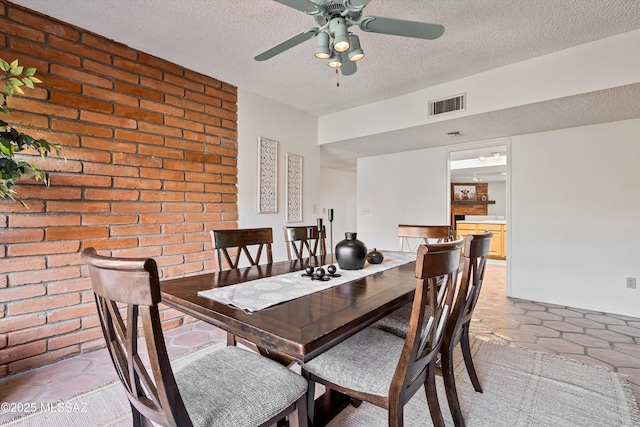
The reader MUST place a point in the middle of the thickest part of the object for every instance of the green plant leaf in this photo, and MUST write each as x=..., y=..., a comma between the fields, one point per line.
x=8, y=89
x=16, y=71
x=27, y=82
x=12, y=77
x=15, y=82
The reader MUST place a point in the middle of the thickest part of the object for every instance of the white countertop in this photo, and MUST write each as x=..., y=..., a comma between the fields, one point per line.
x=485, y=221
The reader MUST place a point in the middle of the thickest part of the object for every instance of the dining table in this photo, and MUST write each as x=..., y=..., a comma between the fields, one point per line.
x=302, y=328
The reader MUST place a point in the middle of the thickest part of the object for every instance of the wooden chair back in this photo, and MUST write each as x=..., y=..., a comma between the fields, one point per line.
x=228, y=243
x=133, y=285
x=415, y=235
x=305, y=241
x=436, y=274
x=476, y=250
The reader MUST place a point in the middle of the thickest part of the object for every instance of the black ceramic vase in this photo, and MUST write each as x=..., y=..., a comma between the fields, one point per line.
x=351, y=253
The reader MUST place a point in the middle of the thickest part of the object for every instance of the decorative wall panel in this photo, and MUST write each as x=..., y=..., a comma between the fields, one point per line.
x=267, y=176
x=293, y=190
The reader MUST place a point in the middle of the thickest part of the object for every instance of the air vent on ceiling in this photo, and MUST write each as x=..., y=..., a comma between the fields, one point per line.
x=447, y=105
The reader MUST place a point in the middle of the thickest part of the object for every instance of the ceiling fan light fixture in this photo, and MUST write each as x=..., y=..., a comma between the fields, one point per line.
x=335, y=61
x=338, y=29
x=355, y=51
x=333, y=19
x=322, y=48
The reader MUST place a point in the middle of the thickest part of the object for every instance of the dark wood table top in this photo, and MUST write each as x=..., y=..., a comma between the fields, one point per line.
x=302, y=328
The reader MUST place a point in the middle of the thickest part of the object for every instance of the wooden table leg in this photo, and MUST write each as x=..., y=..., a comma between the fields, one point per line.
x=328, y=406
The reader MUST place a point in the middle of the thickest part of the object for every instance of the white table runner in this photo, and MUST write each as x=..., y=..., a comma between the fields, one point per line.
x=262, y=293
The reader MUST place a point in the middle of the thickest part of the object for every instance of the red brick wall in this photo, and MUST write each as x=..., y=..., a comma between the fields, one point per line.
x=151, y=153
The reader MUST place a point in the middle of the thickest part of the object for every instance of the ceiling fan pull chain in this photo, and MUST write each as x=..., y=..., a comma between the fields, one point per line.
x=337, y=78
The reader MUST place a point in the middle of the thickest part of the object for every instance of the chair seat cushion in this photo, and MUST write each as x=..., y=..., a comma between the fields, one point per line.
x=237, y=387
x=397, y=322
x=365, y=362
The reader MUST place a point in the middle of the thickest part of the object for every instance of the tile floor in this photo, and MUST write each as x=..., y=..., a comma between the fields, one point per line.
x=595, y=338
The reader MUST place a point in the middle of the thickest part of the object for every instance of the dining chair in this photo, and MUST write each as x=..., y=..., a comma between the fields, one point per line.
x=476, y=250
x=384, y=369
x=229, y=386
x=305, y=241
x=415, y=235
x=238, y=242
x=397, y=321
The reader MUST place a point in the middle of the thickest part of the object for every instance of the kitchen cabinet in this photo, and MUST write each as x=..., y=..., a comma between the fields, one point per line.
x=498, y=247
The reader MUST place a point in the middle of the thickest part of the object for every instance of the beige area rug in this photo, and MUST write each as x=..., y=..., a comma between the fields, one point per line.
x=521, y=388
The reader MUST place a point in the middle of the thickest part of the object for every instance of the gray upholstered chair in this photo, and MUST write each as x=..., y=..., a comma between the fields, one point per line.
x=229, y=245
x=415, y=235
x=305, y=241
x=228, y=387
x=384, y=369
x=476, y=250
x=412, y=236
x=239, y=241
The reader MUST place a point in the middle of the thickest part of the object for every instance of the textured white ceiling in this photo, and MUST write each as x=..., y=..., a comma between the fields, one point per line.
x=220, y=38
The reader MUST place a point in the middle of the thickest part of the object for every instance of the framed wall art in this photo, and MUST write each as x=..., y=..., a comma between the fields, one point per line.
x=464, y=192
x=293, y=189
x=267, y=176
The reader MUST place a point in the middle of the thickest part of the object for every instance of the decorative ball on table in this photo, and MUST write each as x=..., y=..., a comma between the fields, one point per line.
x=320, y=275
x=331, y=271
x=375, y=257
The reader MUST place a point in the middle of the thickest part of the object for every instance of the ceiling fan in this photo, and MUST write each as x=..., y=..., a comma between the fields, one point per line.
x=334, y=18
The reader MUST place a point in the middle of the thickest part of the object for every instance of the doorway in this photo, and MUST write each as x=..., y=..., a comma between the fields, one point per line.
x=479, y=192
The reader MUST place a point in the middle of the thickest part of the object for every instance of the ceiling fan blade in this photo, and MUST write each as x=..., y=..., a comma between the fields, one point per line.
x=348, y=67
x=302, y=5
x=287, y=44
x=400, y=27
x=356, y=5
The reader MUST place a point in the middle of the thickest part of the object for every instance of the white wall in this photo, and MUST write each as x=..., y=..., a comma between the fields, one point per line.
x=565, y=73
x=574, y=217
x=573, y=230
x=402, y=188
x=338, y=191
x=296, y=133
x=498, y=193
